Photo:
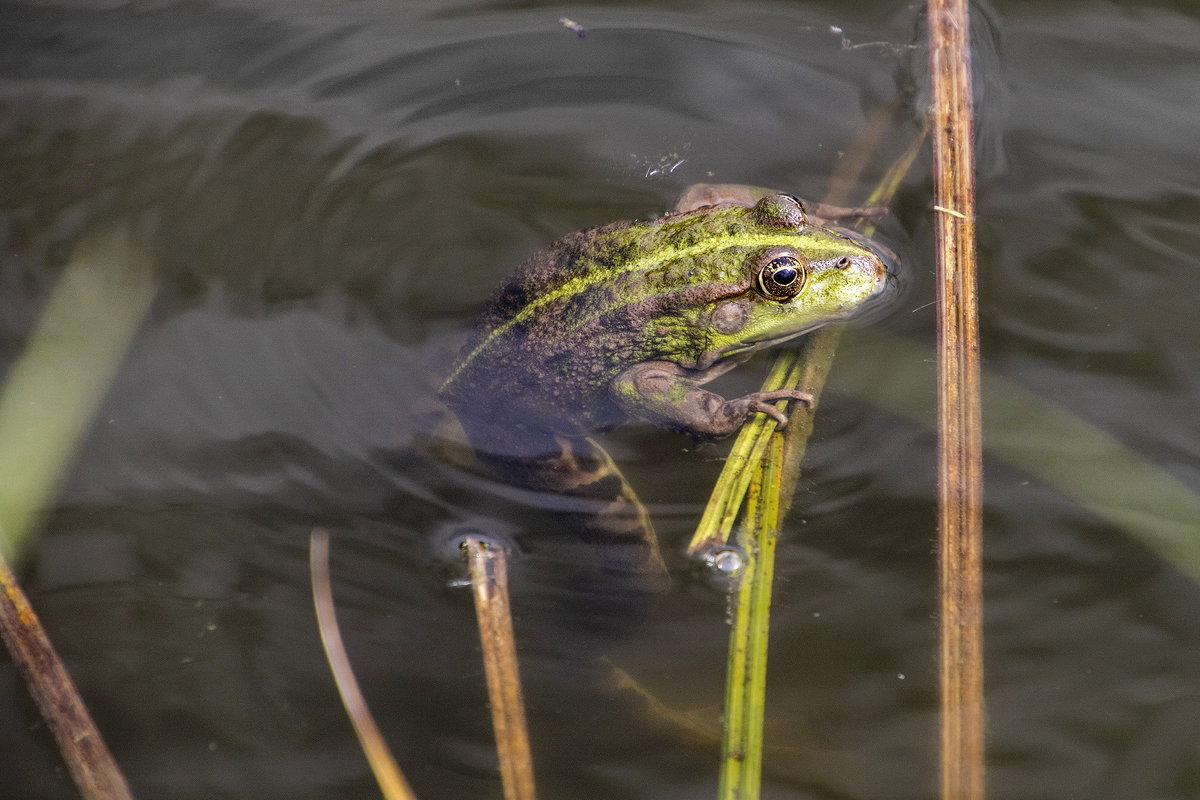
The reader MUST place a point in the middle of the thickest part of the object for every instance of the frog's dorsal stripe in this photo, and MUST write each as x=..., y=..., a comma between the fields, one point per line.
x=579, y=283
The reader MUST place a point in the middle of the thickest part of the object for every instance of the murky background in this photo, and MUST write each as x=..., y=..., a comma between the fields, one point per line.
x=330, y=190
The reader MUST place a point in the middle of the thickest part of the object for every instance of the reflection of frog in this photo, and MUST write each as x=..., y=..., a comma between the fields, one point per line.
x=629, y=320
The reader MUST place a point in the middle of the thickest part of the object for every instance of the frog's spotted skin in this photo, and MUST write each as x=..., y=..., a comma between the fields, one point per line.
x=628, y=320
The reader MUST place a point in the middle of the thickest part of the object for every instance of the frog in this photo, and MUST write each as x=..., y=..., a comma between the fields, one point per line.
x=629, y=321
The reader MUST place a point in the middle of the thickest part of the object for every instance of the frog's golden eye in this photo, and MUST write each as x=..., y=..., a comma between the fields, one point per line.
x=782, y=277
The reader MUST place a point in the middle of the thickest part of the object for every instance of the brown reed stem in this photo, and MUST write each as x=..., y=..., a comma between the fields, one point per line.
x=92, y=767
x=960, y=494
x=489, y=581
x=392, y=783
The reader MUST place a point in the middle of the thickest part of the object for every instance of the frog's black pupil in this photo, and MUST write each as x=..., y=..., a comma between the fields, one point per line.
x=781, y=278
x=784, y=274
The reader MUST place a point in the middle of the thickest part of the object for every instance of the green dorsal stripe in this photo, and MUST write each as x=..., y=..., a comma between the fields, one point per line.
x=580, y=283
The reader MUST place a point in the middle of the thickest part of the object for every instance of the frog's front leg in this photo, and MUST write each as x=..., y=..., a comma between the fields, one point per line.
x=669, y=396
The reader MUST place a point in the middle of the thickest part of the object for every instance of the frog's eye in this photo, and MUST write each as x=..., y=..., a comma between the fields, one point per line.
x=782, y=277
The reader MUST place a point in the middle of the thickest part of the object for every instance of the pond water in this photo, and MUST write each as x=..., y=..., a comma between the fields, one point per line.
x=331, y=189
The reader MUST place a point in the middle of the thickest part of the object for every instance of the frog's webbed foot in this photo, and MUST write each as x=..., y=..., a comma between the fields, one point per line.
x=764, y=402
x=699, y=195
x=667, y=395
x=823, y=213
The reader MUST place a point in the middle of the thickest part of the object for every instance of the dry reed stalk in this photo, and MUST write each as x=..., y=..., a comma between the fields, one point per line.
x=91, y=764
x=960, y=494
x=392, y=783
x=489, y=582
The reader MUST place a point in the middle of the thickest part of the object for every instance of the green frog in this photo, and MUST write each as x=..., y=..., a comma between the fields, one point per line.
x=630, y=320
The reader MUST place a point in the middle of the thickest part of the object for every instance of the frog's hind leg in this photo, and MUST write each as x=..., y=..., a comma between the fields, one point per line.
x=585, y=489
x=823, y=213
x=616, y=522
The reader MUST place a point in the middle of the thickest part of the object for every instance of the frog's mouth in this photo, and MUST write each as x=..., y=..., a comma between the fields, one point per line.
x=757, y=343
x=764, y=340
x=744, y=348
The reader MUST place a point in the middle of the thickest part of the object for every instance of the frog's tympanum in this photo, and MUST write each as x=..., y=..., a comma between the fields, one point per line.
x=629, y=320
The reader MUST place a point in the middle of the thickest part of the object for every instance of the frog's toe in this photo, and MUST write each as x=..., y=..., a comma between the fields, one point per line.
x=784, y=394
x=764, y=402
x=781, y=419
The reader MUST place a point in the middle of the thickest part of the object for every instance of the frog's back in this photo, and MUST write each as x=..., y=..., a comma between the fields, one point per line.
x=555, y=333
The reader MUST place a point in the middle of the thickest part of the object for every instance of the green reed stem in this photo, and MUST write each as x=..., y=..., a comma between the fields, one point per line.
x=52, y=391
x=805, y=368
x=745, y=688
x=744, y=458
x=763, y=472
x=49, y=399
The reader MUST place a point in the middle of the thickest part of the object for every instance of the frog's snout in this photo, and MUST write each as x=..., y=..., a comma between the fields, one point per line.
x=870, y=268
x=887, y=263
x=886, y=273
x=886, y=260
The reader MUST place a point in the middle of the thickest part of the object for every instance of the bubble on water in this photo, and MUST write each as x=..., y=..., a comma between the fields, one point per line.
x=727, y=561
x=662, y=164
x=722, y=566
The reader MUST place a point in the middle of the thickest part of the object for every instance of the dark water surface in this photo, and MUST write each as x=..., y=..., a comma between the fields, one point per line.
x=331, y=191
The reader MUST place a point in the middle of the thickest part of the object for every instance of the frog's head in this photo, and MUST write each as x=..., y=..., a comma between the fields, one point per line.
x=794, y=276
